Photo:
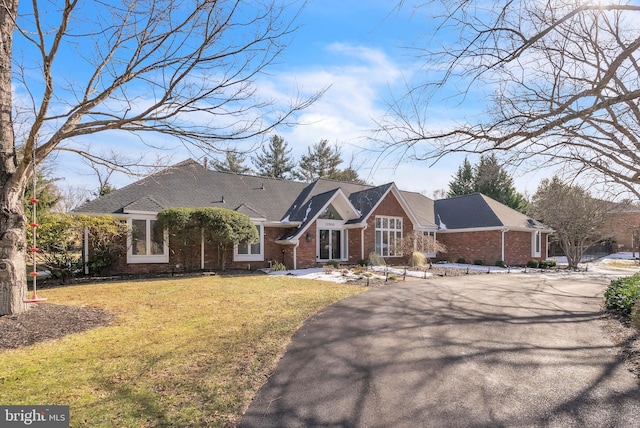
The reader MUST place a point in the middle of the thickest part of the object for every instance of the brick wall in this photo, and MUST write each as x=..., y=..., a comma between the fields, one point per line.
x=487, y=246
x=471, y=246
x=355, y=246
x=620, y=228
x=388, y=207
x=187, y=258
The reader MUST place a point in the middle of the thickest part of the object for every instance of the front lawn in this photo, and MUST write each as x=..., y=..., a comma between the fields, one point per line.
x=180, y=352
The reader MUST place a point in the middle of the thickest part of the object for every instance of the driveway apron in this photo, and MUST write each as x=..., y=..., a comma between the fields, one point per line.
x=473, y=351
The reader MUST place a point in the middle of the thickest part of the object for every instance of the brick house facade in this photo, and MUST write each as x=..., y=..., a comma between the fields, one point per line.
x=306, y=225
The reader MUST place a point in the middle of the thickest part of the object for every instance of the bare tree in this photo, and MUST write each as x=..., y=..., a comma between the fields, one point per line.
x=185, y=70
x=577, y=217
x=105, y=164
x=71, y=197
x=565, y=78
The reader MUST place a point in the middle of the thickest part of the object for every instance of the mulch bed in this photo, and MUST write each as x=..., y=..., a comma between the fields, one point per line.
x=626, y=338
x=48, y=321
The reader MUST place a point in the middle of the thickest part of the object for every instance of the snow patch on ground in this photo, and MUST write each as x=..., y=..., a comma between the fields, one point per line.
x=609, y=267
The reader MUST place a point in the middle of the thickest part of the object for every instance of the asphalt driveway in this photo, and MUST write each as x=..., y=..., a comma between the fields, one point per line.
x=473, y=351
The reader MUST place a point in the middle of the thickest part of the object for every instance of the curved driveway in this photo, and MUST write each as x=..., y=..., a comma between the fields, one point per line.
x=473, y=351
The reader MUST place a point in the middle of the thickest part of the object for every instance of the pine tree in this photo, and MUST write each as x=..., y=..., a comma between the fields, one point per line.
x=275, y=160
x=233, y=163
x=321, y=161
x=489, y=178
x=493, y=181
x=47, y=193
x=463, y=182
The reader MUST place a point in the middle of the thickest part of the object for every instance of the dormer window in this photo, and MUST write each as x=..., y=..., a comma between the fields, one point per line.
x=330, y=213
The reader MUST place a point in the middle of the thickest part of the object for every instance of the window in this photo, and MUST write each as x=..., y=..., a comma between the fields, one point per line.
x=245, y=251
x=331, y=240
x=536, y=244
x=330, y=213
x=427, y=245
x=388, y=236
x=147, y=242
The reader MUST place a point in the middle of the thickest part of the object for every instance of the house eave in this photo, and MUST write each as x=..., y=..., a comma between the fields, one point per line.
x=496, y=228
x=281, y=224
x=94, y=214
x=287, y=241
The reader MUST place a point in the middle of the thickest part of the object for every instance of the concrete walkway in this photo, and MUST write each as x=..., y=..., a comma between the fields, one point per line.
x=474, y=351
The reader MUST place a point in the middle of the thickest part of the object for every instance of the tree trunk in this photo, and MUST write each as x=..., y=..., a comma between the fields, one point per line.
x=13, y=274
x=13, y=279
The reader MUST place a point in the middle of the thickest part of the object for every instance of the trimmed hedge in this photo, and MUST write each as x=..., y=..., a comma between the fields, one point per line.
x=622, y=293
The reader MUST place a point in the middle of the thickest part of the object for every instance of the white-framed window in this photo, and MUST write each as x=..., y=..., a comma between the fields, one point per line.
x=427, y=244
x=246, y=252
x=146, y=243
x=388, y=236
x=536, y=244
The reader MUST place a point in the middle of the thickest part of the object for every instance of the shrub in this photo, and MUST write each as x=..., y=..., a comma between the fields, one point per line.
x=478, y=262
x=332, y=263
x=363, y=262
x=533, y=264
x=635, y=315
x=546, y=264
x=277, y=266
x=621, y=295
x=376, y=260
x=417, y=259
x=500, y=263
x=461, y=261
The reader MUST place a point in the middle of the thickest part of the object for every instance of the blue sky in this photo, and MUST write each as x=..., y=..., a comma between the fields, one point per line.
x=361, y=49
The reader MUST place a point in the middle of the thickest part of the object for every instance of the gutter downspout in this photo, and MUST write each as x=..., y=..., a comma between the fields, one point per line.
x=502, y=245
x=202, y=245
x=295, y=255
x=362, y=241
x=86, y=251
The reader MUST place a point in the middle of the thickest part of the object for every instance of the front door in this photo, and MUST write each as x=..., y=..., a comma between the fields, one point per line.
x=330, y=242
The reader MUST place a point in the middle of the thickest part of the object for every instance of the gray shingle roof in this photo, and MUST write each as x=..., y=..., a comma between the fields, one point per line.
x=366, y=200
x=480, y=211
x=422, y=207
x=189, y=185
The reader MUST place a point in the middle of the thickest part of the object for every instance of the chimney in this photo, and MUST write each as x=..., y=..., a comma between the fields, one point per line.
x=205, y=162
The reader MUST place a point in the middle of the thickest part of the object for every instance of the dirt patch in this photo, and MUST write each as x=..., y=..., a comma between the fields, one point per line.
x=48, y=321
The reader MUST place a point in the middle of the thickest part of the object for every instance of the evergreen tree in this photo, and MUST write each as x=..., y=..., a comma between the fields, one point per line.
x=348, y=175
x=275, y=160
x=493, y=181
x=105, y=189
x=489, y=178
x=463, y=182
x=321, y=161
x=47, y=193
x=233, y=163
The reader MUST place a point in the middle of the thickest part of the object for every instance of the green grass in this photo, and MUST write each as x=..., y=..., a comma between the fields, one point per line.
x=181, y=352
